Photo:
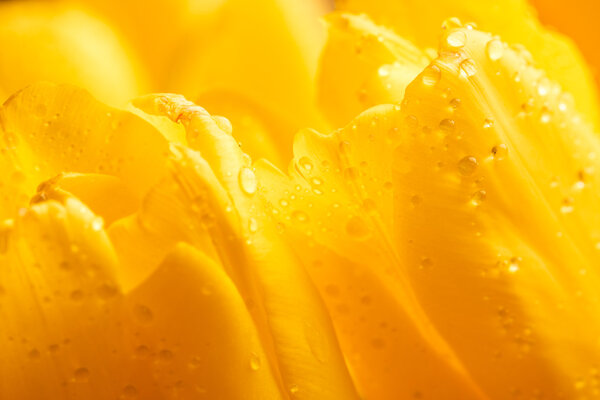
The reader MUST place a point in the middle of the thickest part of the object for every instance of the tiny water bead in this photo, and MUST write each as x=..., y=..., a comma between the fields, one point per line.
x=500, y=151
x=488, y=123
x=468, y=67
x=478, y=197
x=305, y=164
x=81, y=375
x=299, y=216
x=248, y=181
x=467, y=165
x=254, y=362
x=456, y=39
x=143, y=314
x=431, y=75
x=513, y=264
x=252, y=225
x=494, y=49
x=129, y=392
x=447, y=124
x=567, y=205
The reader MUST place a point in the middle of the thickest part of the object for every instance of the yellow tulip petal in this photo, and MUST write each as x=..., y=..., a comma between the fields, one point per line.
x=275, y=67
x=295, y=328
x=363, y=65
x=505, y=173
x=58, y=290
x=45, y=41
x=340, y=195
x=48, y=129
x=106, y=195
x=191, y=322
x=158, y=34
x=514, y=20
x=67, y=331
x=181, y=207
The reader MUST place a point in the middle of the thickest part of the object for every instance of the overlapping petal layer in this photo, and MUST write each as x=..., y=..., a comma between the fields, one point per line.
x=44, y=41
x=514, y=20
x=474, y=199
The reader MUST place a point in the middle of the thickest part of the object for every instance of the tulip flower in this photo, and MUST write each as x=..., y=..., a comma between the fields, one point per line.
x=435, y=235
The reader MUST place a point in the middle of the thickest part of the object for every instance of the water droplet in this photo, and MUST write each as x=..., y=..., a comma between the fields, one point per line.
x=316, y=181
x=468, y=67
x=431, y=75
x=129, y=392
x=142, y=352
x=305, y=164
x=455, y=103
x=478, y=197
x=488, y=123
x=195, y=362
x=467, y=165
x=543, y=87
x=81, y=375
x=107, y=290
x=254, y=362
x=34, y=354
x=294, y=389
x=447, y=124
x=143, y=314
x=499, y=152
x=165, y=355
x=357, y=228
x=252, y=225
x=248, y=180
x=384, y=71
x=494, y=49
x=416, y=200
x=97, y=224
x=456, y=39
x=513, y=264
x=450, y=23
x=545, y=116
x=567, y=205
x=300, y=216
x=344, y=147
x=283, y=203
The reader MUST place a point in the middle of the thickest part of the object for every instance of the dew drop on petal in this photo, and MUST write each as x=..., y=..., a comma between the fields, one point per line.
x=81, y=375
x=431, y=75
x=248, y=181
x=467, y=165
x=567, y=205
x=499, y=152
x=468, y=67
x=299, y=216
x=129, y=392
x=513, y=264
x=97, y=224
x=254, y=362
x=252, y=224
x=305, y=164
x=456, y=39
x=447, y=124
x=494, y=49
x=143, y=314
x=478, y=197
